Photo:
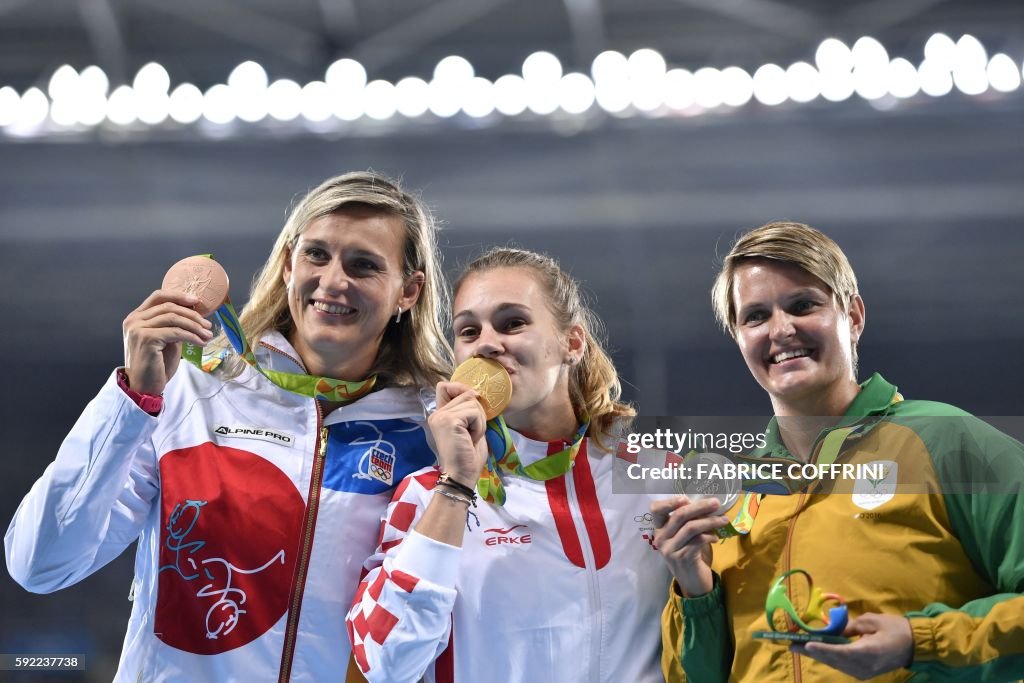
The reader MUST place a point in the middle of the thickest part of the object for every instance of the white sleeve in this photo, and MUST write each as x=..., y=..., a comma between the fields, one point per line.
x=401, y=617
x=91, y=502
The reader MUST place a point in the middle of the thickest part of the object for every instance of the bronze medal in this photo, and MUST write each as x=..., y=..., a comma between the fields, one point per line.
x=202, y=277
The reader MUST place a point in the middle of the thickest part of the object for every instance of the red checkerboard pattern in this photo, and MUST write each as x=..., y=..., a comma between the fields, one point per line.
x=380, y=621
x=369, y=619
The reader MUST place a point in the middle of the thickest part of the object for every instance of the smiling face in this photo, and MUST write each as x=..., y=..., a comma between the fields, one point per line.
x=795, y=338
x=345, y=282
x=503, y=314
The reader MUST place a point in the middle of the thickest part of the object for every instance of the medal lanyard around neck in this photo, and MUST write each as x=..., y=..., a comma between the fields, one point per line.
x=503, y=458
x=322, y=388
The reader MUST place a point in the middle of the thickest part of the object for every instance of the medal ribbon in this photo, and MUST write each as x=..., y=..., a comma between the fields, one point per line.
x=827, y=454
x=744, y=520
x=322, y=388
x=503, y=458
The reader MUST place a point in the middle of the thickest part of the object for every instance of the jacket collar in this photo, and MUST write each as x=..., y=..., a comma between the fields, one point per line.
x=874, y=398
x=274, y=351
x=531, y=450
x=876, y=395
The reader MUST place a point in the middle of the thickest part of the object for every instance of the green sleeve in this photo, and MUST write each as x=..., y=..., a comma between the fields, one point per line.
x=982, y=475
x=707, y=648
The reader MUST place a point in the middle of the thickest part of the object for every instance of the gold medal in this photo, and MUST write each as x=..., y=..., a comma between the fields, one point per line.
x=489, y=379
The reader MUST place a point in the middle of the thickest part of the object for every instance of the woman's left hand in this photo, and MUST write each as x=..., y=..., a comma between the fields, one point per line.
x=886, y=643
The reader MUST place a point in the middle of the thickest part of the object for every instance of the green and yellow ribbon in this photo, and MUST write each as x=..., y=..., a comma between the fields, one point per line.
x=503, y=458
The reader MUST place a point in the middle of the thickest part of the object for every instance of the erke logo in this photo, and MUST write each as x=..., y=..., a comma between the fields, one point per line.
x=504, y=537
x=259, y=433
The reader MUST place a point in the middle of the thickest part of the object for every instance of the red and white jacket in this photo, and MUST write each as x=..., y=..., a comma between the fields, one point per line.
x=253, y=515
x=560, y=584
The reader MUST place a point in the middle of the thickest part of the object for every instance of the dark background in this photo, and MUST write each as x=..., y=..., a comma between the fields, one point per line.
x=925, y=196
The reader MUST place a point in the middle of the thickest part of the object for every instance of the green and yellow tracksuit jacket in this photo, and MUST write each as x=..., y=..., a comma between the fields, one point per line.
x=943, y=548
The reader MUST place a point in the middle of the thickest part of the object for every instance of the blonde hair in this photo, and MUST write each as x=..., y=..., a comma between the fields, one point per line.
x=785, y=242
x=413, y=351
x=594, y=386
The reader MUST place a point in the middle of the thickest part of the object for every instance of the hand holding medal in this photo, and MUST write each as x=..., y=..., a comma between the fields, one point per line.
x=169, y=317
x=479, y=390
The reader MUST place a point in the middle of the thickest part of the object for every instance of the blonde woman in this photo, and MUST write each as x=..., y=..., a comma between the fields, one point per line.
x=548, y=578
x=254, y=498
x=932, y=569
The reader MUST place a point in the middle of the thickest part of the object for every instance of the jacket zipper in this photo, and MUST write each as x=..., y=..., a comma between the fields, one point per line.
x=305, y=549
x=788, y=562
x=797, y=676
x=590, y=562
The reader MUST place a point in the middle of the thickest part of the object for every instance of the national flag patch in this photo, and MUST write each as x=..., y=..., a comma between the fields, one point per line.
x=382, y=466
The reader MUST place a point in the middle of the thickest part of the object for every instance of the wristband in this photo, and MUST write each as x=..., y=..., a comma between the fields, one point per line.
x=147, y=402
x=447, y=481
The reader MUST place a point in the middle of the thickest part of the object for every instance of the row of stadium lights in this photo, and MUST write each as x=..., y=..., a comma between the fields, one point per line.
x=621, y=86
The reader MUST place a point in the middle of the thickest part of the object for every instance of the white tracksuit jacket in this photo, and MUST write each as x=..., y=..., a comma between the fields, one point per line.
x=561, y=584
x=253, y=516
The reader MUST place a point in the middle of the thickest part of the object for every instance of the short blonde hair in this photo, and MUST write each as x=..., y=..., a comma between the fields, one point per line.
x=594, y=386
x=794, y=243
x=412, y=352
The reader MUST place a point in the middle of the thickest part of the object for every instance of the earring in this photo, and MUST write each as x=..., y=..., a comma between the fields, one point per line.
x=398, y=315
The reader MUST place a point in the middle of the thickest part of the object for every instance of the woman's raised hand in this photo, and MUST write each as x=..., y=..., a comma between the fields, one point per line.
x=684, y=532
x=458, y=426
x=153, y=334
